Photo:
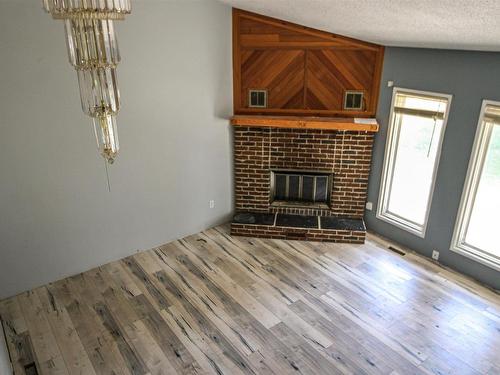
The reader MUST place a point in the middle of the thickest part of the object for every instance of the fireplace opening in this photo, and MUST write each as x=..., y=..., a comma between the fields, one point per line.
x=301, y=188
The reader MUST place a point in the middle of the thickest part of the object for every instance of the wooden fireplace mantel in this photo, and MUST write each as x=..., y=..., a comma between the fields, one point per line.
x=297, y=122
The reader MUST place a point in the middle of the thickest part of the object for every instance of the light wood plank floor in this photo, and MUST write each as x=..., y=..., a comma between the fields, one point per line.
x=215, y=304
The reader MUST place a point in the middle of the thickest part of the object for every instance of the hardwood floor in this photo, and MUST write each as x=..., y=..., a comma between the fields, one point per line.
x=215, y=304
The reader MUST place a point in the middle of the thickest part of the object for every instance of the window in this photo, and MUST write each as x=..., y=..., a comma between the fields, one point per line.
x=416, y=129
x=475, y=233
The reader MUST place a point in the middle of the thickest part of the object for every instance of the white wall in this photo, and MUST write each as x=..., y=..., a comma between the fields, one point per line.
x=56, y=216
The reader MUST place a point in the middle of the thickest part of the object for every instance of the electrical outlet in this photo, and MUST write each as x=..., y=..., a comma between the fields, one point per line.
x=369, y=206
x=211, y=203
x=435, y=254
x=390, y=83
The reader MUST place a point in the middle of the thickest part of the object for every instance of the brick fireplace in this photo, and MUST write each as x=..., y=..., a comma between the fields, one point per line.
x=305, y=160
x=304, y=103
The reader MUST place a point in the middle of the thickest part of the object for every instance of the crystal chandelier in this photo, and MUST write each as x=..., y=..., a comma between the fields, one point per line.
x=93, y=52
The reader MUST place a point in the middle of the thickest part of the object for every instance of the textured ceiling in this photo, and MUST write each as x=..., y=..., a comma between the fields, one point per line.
x=452, y=24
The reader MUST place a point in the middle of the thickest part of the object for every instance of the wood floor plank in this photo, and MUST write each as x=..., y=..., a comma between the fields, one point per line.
x=206, y=326
x=240, y=294
x=99, y=344
x=254, y=265
x=114, y=296
x=212, y=303
x=17, y=335
x=72, y=350
x=208, y=355
x=251, y=332
x=358, y=349
x=173, y=348
x=45, y=345
x=209, y=299
x=148, y=349
x=132, y=360
x=314, y=361
x=404, y=349
x=280, y=310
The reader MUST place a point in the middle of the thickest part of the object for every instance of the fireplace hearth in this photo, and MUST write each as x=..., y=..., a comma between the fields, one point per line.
x=304, y=227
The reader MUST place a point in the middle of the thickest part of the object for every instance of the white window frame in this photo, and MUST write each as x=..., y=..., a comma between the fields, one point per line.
x=390, y=154
x=474, y=171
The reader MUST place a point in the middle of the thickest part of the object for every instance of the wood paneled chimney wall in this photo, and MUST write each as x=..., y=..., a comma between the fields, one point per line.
x=306, y=72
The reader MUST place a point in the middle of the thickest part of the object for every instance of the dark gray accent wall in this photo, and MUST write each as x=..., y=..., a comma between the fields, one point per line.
x=470, y=77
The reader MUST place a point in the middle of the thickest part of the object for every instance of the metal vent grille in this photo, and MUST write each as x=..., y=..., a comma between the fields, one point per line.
x=257, y=98
x=353, y=100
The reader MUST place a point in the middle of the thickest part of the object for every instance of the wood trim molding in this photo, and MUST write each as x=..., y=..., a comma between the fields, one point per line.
x=236, y=61
x=291, y=122
x=378, y=78
x=302, y=112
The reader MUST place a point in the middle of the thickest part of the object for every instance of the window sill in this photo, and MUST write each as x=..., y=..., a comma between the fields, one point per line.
x=477, y=255
x=402, y=224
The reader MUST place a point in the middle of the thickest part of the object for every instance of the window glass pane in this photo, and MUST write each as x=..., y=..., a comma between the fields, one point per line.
x=293, y=187
x=483, y=224
x=321, y=189
x=307, y=188
x=280, y=188
x=415, y=157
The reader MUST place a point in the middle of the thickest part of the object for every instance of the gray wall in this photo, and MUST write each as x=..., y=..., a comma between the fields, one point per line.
x=56, y=216
x=470, y=77
x=5, y=366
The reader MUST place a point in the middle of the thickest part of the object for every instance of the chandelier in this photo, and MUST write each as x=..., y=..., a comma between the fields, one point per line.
x=93, y=52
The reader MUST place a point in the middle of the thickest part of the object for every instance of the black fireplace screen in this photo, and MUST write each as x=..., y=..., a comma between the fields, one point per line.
x=305, y=187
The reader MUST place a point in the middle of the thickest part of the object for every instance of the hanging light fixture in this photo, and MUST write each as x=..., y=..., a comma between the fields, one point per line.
x=93, y=52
